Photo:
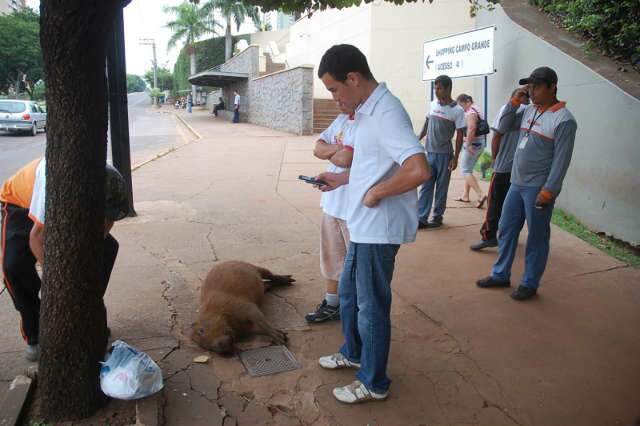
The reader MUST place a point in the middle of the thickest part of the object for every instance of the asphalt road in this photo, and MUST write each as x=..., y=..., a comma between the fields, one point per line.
x=151, y=132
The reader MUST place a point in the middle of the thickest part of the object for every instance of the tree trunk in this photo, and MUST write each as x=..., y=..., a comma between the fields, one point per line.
x=192, y=63
x=228, y=40
x=73, y=333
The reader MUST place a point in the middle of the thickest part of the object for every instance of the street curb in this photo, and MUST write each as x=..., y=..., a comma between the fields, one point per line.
x=162, y=154
x=188, y=126
x=193, y=131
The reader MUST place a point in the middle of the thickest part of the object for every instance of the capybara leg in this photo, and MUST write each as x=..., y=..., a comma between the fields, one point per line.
x=262, y=326
x=272, y=279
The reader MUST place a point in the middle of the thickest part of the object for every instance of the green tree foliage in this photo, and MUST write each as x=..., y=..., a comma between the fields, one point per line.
x=210, y=54
x=164, y=76
x=311, y=5
x=20, y=48
x=135, y=83
x=234, y=11
x=191, y=22
x=38, y=93
x=613, y=26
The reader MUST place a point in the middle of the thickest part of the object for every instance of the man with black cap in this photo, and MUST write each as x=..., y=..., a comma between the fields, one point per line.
x=22, y=199
x=543, y=154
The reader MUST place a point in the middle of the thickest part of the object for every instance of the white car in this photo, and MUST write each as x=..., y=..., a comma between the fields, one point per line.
x=22, y=116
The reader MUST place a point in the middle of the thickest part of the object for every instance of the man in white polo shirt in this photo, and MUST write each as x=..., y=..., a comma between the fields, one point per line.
x=388, y=165
x=335, y=145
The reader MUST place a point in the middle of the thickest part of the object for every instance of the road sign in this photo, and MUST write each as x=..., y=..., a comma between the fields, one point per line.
x=460, y=55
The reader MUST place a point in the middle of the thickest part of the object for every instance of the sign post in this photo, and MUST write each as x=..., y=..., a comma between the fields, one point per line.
x=468, y=54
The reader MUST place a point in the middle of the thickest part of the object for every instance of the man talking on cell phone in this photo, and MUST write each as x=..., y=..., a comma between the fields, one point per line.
x=543, y=154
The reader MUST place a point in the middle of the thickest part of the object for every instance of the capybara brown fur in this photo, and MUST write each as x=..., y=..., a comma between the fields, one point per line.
x=229, y=306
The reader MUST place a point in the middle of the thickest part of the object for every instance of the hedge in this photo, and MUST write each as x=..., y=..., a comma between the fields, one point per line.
x=611, y=25
x=209, y=53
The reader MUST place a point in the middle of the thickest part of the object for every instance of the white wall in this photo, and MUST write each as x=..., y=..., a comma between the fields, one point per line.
x=397, y=38
x=602, y=187
x=309, y=38
x=263, y=38
x=391, y=37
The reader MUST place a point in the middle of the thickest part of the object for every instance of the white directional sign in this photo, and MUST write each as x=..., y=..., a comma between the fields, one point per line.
x=460, y=55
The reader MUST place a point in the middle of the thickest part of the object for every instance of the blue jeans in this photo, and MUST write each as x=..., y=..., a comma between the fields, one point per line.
x=440, y=176
x=520, y=205
x=189, y=107
x=236, y=115
x=365, y=308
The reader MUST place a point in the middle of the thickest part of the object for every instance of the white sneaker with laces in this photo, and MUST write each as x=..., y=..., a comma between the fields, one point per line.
x=357, y=392
x=337, y=360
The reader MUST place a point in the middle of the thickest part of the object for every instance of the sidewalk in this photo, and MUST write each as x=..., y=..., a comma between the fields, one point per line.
x=459, y=356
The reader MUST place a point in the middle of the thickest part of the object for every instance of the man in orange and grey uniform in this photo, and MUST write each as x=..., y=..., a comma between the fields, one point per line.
x=503, y=148
x=543, y=155
x=22, y=199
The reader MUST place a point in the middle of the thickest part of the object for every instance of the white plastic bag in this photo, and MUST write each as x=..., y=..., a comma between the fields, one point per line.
x=129, y=374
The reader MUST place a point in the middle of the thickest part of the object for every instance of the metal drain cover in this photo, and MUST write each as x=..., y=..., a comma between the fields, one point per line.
x=268, y=360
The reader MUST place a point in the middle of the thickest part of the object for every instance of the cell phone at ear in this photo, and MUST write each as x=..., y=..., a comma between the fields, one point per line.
x=311, y=180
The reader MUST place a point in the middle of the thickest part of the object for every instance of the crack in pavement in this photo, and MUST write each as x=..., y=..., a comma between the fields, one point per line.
x=211, y=244
x=173, y=349
x=612, y=268
x=173, y=312
x=458, y=349
x=503, y=410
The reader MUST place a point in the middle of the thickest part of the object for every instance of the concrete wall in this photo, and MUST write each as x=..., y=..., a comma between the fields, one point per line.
x=602, y=186
x=247, y=61
x=284, y=100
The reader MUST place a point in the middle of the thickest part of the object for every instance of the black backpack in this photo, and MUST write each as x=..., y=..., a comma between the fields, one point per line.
x=483, y=126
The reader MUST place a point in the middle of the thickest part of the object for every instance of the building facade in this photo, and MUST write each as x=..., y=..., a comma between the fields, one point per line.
x=10, y=6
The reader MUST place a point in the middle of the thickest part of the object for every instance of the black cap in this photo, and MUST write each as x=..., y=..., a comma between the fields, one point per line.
x=541, y=75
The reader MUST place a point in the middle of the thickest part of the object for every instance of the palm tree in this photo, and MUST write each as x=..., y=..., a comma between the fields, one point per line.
x=234, y=11
x=191, y=22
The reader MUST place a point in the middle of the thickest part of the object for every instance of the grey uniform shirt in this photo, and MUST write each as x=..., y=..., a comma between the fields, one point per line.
x=542, y=158
x=509, y=141
x=444, y=120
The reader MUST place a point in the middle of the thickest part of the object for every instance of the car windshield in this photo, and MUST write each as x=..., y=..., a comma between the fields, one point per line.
x=11, y=107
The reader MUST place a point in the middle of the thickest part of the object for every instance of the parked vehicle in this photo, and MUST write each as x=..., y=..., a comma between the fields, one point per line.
x=22, y=116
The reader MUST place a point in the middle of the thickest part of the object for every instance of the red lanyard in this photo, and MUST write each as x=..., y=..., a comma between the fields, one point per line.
x=535, y=119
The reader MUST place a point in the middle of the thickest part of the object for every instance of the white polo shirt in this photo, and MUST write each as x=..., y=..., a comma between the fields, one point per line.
x=384, y=139
x=37, y=207
x=335, y=203
x=236, y=100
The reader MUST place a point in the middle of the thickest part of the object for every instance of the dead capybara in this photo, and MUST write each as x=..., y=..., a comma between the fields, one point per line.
x=229, y=306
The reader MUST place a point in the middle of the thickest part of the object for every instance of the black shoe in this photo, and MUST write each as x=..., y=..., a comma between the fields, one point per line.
x=324, y=312
x=523, y=293
x=484, y=244
x=489, y=282
x=436, y=222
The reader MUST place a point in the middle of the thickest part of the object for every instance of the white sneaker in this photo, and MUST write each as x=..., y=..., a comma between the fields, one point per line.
x=337, y=361
x=356, y=392
x=32, y=353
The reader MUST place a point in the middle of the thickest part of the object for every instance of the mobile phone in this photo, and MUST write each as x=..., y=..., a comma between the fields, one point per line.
x=311, y=180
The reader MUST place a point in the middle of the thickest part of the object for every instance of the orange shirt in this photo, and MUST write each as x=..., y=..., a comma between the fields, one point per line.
x=18, y=189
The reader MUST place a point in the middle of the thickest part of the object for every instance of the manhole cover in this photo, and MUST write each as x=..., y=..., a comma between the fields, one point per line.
x=269, y=360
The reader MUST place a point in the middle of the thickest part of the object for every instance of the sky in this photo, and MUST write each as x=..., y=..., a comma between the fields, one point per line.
x=145, y=19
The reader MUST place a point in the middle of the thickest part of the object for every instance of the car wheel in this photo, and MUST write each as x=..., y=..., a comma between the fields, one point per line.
x=34, y=129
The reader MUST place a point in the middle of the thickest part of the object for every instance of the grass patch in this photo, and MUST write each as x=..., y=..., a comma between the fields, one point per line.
x=611, y=246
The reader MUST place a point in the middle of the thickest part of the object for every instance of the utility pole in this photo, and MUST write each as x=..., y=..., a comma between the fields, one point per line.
x=152, y=42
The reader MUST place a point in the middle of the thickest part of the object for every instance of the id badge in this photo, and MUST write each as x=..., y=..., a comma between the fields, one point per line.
x=523, y=142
